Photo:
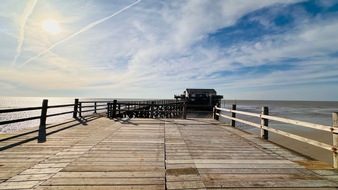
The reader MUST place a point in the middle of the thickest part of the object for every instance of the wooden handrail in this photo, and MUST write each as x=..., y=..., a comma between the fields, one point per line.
x=283, y=120
x=265, y=128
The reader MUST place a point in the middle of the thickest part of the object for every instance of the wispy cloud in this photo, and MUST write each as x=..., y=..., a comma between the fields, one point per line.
x=27, y=12
x=89, y=26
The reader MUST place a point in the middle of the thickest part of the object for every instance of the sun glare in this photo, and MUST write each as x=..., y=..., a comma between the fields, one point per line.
x=51, y=26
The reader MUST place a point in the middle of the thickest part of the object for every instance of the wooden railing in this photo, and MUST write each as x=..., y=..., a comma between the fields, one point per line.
x=90, y=106
x=78, y=109
x=147, y=109
x=43, y=117
x=265, y=128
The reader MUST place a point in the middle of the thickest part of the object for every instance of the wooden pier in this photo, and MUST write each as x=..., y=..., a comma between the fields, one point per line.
x=100, y=153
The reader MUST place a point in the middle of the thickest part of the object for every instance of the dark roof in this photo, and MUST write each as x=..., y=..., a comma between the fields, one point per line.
x=200, y=91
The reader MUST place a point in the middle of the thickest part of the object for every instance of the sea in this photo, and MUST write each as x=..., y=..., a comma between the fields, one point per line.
x=318, y=112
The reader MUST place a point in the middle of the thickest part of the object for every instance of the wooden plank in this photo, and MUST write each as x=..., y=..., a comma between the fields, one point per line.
x=19, y=184
x=131, y=164
x=120, y=159
x=300, y=123
x=110, y=168
x=185, y=185
x=104, y=181
x=254, y=171
x=113, y=187
x=32, y=177
x=144, y=174
x=220, y=161
x=258, y=177
x=264, y=184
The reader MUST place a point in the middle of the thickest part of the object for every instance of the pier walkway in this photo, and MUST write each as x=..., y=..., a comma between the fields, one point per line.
x=99, y=153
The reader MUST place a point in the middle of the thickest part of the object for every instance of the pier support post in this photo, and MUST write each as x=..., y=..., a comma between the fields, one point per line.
x=43, y=118
x=264, y=122
x=95, y=107
x=114, y=109
x=216, y=111
x=152, y=109
x=80, y=109
x=75, y=108
x=108, y=109
x=233, y=115
x=335, y=139
x=184, y=110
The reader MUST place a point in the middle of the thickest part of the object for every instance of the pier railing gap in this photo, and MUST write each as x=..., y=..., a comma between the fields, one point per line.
x=265, y=128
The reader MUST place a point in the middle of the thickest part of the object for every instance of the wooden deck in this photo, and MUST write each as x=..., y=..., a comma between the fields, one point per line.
x=149, y=154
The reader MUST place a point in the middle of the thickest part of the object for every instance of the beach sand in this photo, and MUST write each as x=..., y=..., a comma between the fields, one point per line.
x=305, y=149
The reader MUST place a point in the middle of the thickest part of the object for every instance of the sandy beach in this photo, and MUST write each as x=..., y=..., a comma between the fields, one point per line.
x=305, y=149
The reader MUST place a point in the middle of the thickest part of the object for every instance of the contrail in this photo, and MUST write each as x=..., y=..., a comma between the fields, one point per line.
x=89, y=26
x=28, y=11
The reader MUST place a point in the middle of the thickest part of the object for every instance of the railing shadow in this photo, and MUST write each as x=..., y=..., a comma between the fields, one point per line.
x=79, y=121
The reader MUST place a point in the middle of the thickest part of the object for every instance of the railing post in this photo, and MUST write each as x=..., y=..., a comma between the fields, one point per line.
x=216, y=111
x=80, y=109
x=109, y=109
x=335, y=138
x=264, y=122
x=233, y=115
x=119, y=108
x=75, y=108
x=95, y=105
x=184, y=110
x=42, y=127
x=152, y=109
x=114, y=109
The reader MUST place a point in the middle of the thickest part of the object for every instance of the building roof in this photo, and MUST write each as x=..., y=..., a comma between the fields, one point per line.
x=200, y=91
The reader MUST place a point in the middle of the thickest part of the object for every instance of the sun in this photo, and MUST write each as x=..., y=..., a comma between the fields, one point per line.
x=51, y=26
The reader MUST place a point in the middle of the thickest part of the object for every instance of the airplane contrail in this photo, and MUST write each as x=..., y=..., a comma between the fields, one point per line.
x=89, y=26
x=27, y=12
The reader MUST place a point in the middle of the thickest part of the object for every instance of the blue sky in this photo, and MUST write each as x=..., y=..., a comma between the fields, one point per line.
x=257, y=49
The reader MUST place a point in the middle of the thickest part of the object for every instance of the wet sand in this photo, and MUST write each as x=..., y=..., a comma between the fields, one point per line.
x=308, y=150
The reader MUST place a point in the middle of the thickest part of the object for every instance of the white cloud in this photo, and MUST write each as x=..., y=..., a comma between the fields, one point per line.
x=157, y=45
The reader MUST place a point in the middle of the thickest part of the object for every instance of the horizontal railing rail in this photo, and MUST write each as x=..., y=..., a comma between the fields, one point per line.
x=33, y=109
x=19, y=109
x=91, y=106
x=265, y=128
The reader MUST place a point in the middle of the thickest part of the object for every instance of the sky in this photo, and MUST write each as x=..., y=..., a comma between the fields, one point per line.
x=244, y=49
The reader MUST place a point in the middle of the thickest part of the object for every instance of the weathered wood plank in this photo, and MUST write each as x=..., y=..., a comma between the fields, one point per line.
x=31, y=177
x=146, y=174
x=113, y=187
x=265, y=183
x=19, y=184
x=104, y=181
